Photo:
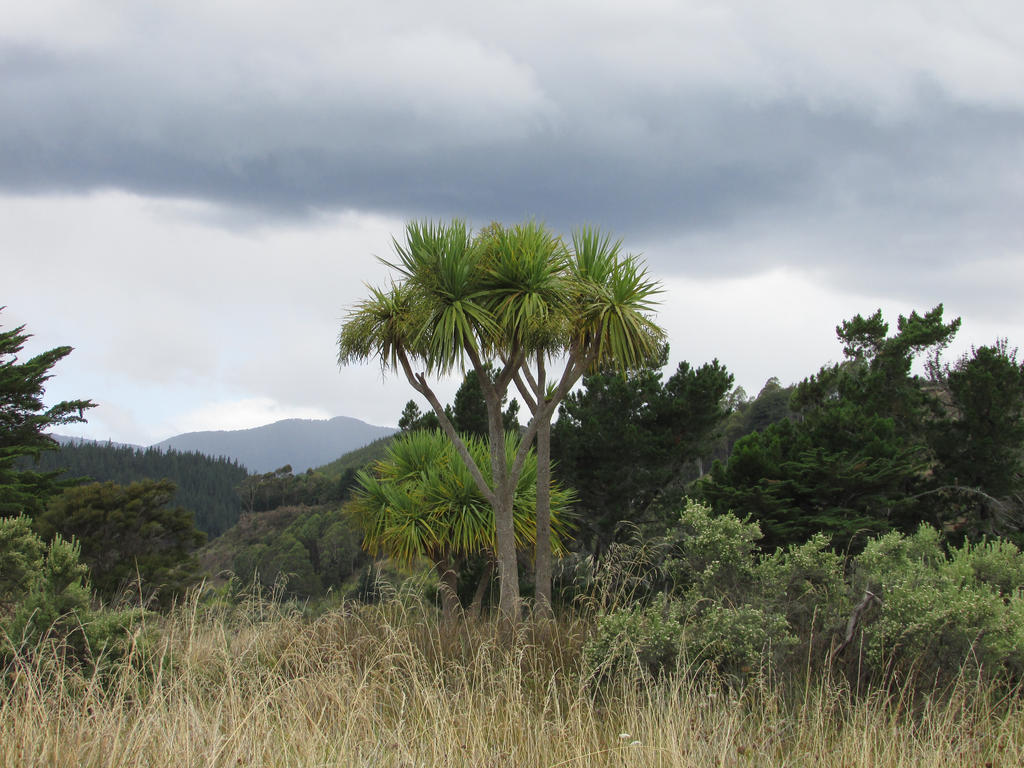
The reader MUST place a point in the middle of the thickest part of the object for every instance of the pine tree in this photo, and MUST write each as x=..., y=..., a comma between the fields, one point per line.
x=24, y=420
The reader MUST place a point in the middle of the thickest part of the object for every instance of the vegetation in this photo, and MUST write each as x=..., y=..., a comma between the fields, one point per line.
x=45, y=604
x=385, y=685
x=876, y=448
x=128, y=536
x=352, y=461
x=508, y=297
x=625, y=439
x=24, y=420
x=839, y=596
x=420, y=502
x=305, y=552
x=205, y=485
x=907, y=611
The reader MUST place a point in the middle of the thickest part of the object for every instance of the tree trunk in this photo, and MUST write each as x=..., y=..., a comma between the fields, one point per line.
x=451, y=608
x=542, y=572
x=476, y=607
x=508, y=567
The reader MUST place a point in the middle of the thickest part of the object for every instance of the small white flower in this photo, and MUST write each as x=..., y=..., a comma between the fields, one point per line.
x=623, y=736
x=635, y=743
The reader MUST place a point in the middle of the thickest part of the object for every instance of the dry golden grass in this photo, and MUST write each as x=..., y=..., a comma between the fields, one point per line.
x=385, y=686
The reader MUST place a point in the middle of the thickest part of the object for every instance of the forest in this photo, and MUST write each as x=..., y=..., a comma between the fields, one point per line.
x=795, y=573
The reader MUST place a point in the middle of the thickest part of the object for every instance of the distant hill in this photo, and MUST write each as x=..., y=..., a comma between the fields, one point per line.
x=359, y=458
x=206, y=485
x=302, y=443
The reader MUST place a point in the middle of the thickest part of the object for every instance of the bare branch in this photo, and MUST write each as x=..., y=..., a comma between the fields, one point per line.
x=526, y=394
x=851, y=626
x=998, y=503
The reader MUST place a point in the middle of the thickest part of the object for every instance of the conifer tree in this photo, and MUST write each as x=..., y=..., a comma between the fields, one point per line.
x=24, y=420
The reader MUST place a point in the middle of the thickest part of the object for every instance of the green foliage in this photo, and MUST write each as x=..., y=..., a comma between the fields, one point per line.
x=644, y=639
x=925, y=612
x=735, y=641
x=508, y=295
x=359, y=458
x=45, y=599
x=281, y=488
x=204, y=485
x=421, y=501
x=712, y=601
x=128, y=534
x=855, y=461
x=22, y=554
x=805, y=584
x=704, y=579
x=942, y=610
x=623, y=438
x=307, y=549
x=978, y=440
x=710, y=554
x=412, y=418
x=467, y=412
x=24, y=420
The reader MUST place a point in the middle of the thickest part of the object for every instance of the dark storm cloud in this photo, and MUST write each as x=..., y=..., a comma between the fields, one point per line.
x=437, y=122
x=781, y=164
x=698, y=163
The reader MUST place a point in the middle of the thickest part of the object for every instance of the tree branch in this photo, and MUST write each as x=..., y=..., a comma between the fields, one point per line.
x=419, y=383
x=851, y=626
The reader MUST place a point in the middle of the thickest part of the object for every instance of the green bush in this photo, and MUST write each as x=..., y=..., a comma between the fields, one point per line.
x=315, y=552
x=712, y=554
x=703, y=594
x=736, y=641
x=805, y=584
x=640, y=641
x=694, y=591
x=46, y=599
x=941, y=611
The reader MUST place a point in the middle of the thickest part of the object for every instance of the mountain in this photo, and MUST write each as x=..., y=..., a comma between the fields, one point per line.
x=302, y=443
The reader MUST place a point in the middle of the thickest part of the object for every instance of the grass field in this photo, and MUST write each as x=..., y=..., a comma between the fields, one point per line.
x=262, y=685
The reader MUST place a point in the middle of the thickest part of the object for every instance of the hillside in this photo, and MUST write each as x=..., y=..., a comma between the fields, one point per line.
x=206, y=486
x=301, y=443
x=357, y=459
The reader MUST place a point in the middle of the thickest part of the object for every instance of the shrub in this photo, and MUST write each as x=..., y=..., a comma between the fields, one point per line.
x=737, y=641
x=941, y=611
x=805, y=584
x=47, y=600
x=713, y=554
x=707, y=571
x=639, y=641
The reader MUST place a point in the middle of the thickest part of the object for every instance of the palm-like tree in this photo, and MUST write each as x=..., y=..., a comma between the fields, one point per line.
x=512, y=295
x=421, y=502
x=602, y=319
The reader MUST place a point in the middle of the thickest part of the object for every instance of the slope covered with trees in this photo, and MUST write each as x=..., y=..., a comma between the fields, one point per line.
x=205, y=485
x=875, y=447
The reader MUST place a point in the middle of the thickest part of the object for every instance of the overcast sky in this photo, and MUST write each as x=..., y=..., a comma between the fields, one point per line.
x=193, y=192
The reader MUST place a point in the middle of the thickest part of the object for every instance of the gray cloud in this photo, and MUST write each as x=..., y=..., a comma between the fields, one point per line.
x=639, y=164
x=874, y=149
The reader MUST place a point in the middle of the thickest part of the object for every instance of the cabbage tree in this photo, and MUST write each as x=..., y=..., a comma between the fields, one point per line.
x=421, y=502
x=504, y=297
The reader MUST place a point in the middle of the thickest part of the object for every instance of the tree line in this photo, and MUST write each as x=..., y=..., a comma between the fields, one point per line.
x=206, y=485
x=863, y=447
